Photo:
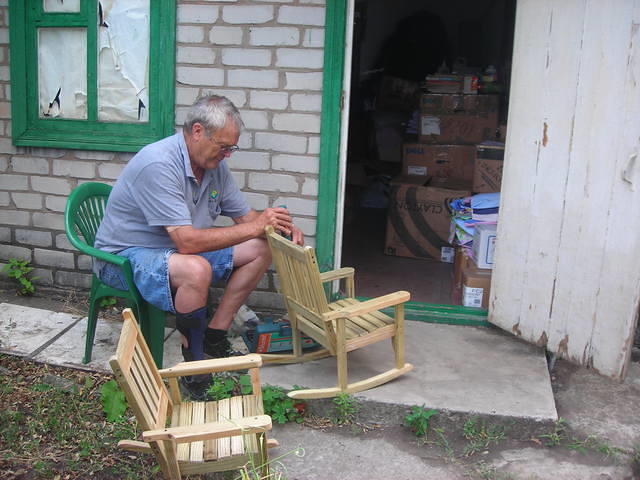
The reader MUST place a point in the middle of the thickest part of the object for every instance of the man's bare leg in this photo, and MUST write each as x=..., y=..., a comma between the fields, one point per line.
x=251, y=259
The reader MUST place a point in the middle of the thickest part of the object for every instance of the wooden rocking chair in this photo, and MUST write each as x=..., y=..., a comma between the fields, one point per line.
x=190, y=438
x=341, y=326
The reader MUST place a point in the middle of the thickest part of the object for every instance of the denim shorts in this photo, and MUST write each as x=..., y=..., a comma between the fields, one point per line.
x=151, y=272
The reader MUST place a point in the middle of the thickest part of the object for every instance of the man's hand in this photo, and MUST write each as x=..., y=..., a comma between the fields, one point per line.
x=278, y=218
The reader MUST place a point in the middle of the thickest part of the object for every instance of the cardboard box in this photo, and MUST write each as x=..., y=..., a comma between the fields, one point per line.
x=418, y=218
x=487, y=175
x=476, y=287
x=484, y=245
x=462, y=119
x=443, y=163
x=461, y=261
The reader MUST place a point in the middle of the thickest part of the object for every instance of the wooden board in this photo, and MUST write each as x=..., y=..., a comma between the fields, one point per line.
x=567, y=275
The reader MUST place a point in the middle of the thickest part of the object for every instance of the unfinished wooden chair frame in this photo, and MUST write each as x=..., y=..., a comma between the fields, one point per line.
x=340, y=326
x=187, y=437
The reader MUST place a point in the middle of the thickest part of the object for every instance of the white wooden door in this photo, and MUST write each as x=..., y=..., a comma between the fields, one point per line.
x=567, y=270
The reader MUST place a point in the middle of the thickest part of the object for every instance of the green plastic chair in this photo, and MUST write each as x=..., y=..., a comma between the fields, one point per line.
x=82, y=216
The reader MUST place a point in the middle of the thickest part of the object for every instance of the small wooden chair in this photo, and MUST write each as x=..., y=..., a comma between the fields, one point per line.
x=341, y=326
x=190, y=438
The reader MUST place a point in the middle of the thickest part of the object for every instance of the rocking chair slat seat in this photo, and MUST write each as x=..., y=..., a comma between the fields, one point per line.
x=340, y=326
x=199, y=437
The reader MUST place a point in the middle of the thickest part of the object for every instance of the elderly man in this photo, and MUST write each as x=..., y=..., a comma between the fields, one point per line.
x=161, y=213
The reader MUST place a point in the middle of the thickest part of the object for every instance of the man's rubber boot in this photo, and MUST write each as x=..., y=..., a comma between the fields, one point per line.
x=193, y=325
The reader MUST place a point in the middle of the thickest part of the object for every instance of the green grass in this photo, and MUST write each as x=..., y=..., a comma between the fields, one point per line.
x=480, y=435
x=55, y=432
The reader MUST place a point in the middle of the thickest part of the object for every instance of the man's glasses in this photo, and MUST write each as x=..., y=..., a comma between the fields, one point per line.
x=225, y=148
x=229, y=149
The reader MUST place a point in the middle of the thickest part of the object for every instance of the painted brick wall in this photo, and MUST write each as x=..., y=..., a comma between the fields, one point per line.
x=266, y=56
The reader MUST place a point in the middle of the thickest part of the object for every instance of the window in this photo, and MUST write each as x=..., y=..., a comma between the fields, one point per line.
x=92, y=74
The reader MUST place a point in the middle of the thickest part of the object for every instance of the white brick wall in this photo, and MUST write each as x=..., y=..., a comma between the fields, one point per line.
x=197, y=13
x=298, y=58
x=255, y=120
x=303, y=81
x=247, y=14
x=296, y=163
x=268, y=100
x=296, y=122
x=306, y=102
x=264, y=55
x=226, y=35
x=196, y=55
x=250, y=160
x=253, y=78
x=273, y=182
x=274, y=36
x=27, y=201
x=246, y=57
x=280, y=142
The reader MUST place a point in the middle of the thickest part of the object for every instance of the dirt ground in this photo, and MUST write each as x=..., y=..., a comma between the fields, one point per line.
x=598, y=436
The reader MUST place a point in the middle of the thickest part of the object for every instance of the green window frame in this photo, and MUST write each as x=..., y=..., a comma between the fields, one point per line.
x=29, y=129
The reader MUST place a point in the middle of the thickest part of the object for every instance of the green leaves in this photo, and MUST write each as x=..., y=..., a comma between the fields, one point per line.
x=19, y=270
x=113, y=402
x=418, y=420
x=280, y=407
x=345, y=407
x=229, y=385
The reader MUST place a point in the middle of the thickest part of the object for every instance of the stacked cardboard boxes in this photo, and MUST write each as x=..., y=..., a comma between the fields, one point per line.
x=436, y=170
x=471, y=281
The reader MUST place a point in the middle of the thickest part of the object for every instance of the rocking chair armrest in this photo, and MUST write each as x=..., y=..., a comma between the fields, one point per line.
x=212, y=365
x=337, y=274
x=367, y=306
x=211, y=430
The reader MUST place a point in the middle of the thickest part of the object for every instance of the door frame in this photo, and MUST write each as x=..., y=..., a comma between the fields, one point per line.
x=333, y=139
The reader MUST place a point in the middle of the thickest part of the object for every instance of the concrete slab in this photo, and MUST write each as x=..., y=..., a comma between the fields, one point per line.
x=24, y=330
x=68, y=349
x=547, y=466
x=327, y=455
x=59, y=338
x=601, y=407
x=456, y=368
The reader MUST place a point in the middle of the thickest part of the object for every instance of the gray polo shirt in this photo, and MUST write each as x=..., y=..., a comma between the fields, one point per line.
x=157, y=189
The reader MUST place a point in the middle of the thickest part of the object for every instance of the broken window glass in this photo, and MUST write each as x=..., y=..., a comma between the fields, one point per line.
x=62, y=72
x=123, y=60
x=61, y=5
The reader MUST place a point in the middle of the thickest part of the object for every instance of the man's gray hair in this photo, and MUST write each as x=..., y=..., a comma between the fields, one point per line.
x=212, y=112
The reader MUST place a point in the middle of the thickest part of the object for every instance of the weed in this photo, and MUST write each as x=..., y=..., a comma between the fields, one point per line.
x=228, y=385
x=20, y=271
x=554, y=438
x=592, y=443
x=114, y=404
x=221, y=387
x=345, y=407
x=107, y=302
x=280, y=407
x=609, y=451
x=443, y=442
x=418, y=420
x=480, y=435
x=581, y=445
